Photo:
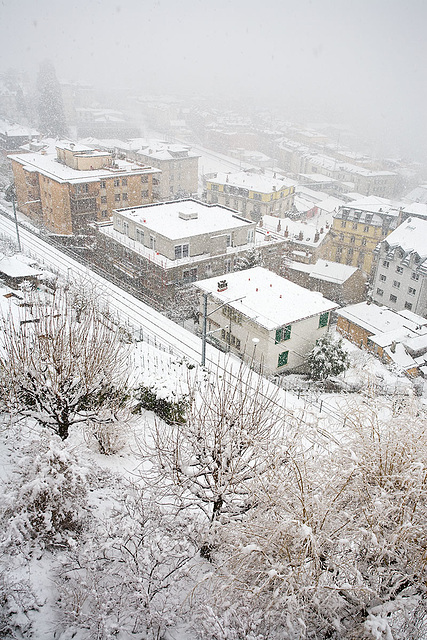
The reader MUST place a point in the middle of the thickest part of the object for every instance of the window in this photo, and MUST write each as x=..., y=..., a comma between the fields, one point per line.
x=283, y=359
x=380, y=292
x=408, y=305
x=228, y=265
x=103, y=184
x=124, y=182
x=140, y=235
x=383, y=278
x=82, y=188
x=117, y=197
x=208, y=270
x=399, y=269
x=396, y=284
x=144, y=194
x=339, y=253
x=144, y=178
x=228, y=240
x=181, y=251
x=214, y=187
x=393, y=298
x=341, y=237
x=103, y=199
x=257, y=196
x=152, y=242
x=411, y=291
x=386, y=264
x=366, y=229
x=343, y=223
x=323, y=319
x=125, y=196
x=364, y=242
x=415, y=275
x=190, y=275
x=352, y=239
x=354, y=225
x=251, y=236
x=117, y=182
x=104, y=213
x=126, y=228
x=284, y=333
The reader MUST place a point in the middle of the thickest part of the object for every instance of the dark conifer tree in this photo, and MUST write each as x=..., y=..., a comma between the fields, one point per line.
x=49, y=104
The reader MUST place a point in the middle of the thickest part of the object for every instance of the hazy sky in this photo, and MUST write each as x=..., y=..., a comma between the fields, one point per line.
x=351, y=58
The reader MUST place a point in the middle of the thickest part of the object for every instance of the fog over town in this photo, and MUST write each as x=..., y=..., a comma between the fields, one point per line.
x=359, y=63
x=213, y=320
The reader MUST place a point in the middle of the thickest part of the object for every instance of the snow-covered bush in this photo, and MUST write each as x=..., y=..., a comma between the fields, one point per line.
x=46, y=501
x=131, y=573
x=335, y=547
x=169, y=407
x=328, y=358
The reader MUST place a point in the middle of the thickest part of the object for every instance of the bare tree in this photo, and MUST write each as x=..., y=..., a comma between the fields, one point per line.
x=234, y=429
x=60, y=371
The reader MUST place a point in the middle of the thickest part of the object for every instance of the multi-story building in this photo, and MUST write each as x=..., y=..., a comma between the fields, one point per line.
x=263, y=317
x=401, y=275
x=253, y=194
x=179, y=166
x=356, y=230
x=158, y=248
x=66, y=190
x=13, y=135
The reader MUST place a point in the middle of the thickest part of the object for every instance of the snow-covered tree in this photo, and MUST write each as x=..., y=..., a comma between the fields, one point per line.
x=234, y=430
x=336, y=546
x=252, y=258
x=49, y=102
x=60, y=371
x=328, y=358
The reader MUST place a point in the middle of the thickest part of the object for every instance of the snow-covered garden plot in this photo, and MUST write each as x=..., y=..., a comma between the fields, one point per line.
x=254, y=515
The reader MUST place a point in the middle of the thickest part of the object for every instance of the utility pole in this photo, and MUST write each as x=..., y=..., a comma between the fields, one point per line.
x=18, y=239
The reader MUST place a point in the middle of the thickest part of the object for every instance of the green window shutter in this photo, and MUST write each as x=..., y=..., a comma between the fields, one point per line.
x=278, y=336
x=283, y=359
x=323, y=319
x=287, y=332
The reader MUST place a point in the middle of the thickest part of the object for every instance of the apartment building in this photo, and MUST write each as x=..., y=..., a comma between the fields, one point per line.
x=265, y=318
x=253, y=194
x=65, y=189
x=356, y=230
x=159, y=247
x=401, y=275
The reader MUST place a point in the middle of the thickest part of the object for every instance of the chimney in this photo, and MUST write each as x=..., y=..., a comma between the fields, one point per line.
x=222, y=285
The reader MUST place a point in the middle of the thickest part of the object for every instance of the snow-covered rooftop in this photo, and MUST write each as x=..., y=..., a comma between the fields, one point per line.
x=411, y=236
x=168, y=220
x=253, y=181
x=268, y=299
x=326, y=270
x=48, y=165
x=377, y=318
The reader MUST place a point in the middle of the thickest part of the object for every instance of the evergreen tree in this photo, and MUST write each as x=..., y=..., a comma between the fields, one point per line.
x=49, y=104
x=328, y=358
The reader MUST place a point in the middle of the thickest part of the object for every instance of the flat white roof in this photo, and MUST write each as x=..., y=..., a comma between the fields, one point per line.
x=268, y=299
x=164, y=218
x=376, y=318
x=48, y=165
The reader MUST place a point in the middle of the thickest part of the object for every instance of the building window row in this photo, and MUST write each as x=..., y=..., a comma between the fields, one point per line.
x=230, y=339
